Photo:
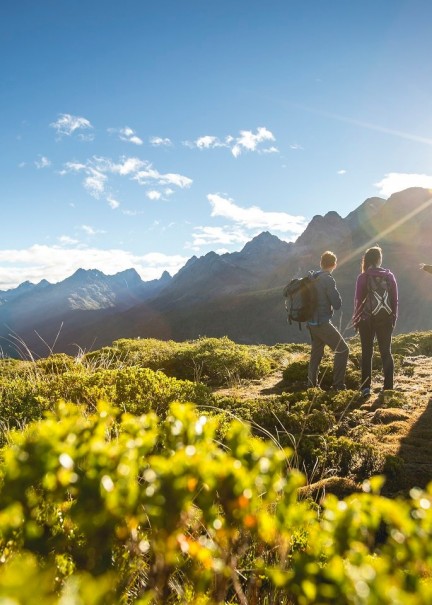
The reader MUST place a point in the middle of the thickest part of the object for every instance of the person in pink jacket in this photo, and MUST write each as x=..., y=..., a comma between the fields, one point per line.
x=375, y=315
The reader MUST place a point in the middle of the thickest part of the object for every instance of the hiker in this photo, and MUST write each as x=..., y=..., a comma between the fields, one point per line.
x=375, y=315
x=322, y=331
x=427, y=268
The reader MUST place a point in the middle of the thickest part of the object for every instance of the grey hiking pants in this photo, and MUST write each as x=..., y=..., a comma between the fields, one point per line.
x=322, y=335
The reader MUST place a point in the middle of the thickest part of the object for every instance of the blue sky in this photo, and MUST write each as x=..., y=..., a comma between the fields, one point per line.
x=138, y=133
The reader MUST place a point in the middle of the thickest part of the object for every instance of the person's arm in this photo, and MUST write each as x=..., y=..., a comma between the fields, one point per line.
x=394, y=302
x=333, y=293
x=427, y=268
x=358, y=300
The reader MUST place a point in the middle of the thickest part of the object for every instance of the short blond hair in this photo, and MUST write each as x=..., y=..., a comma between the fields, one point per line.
x=328, y=259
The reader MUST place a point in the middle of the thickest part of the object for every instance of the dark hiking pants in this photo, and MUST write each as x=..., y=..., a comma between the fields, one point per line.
x=382, y=330
x=322, y=335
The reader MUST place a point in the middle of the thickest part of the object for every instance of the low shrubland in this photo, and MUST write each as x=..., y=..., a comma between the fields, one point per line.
x=111, y=507
x=129, y=475
x=134, y=389
x=215, y=361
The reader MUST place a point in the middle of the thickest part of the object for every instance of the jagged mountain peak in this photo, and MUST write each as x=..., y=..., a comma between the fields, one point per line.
x=264, y=241
x=85, y=275
x=324, y=231
x=129, y=276
x=131, y=272
x=166, y=276
x=190, y=262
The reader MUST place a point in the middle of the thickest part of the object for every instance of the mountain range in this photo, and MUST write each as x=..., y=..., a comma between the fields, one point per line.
x=235, y=294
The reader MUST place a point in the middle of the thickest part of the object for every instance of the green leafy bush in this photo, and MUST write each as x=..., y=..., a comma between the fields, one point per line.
x=216, y=361
x=116, y=508
x=134, y=389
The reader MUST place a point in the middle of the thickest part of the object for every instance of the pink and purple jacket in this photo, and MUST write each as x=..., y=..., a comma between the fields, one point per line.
x=361, y=292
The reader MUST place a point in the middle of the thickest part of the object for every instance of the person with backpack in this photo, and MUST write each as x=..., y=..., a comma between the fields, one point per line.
x=321, y=329
x=375, y=315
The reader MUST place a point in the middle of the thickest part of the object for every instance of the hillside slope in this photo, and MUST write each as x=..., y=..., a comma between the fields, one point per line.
x=397, y=424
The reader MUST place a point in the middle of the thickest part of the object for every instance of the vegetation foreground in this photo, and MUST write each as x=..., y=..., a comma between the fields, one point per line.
x=201, y=472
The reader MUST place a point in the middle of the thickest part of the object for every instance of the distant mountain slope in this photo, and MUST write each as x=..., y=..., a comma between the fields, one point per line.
x=35, y=313
x=235, y=294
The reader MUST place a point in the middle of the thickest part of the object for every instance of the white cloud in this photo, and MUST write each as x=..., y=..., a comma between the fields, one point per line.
x=203, y=236
x=208, y=141
x=144, y=177
x=91, y=231
x=42, y=162
x=55, y=263
x=341, y=171
x=67, y=240
x=153, y=195
x=296, y=147
x=398, y=181
x=132, y=212
x=255, y=218
x=160, y=142
x=124, y=167
x=249, y=141
x=245, y=141
x=66, y=124
x=127, y=134
x=112, y=202
x=95, y=183
x=72, y=167
x=97, y=171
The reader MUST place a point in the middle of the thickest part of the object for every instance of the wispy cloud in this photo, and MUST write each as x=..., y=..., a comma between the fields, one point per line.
x=91, y=230
x=98, y=170
x=150, y=175
x=204, y=236
x=127, y=134
x=160, y=142
x=398, y=181
x=55, y=263
x=95, y=183
x=66, y=240
x=66, y=124
x=245, y=141
x=296, y=147
x=342, y=171
x=42, y=162
x=254, y=217
x=112, y=202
